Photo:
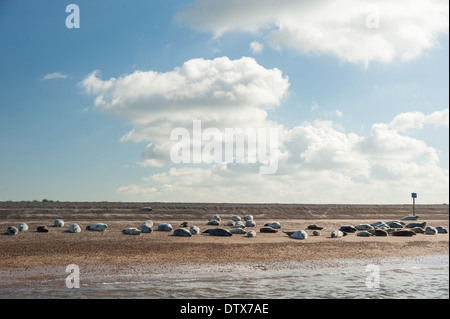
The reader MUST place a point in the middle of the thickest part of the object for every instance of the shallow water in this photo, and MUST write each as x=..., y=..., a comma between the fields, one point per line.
x=395, y=277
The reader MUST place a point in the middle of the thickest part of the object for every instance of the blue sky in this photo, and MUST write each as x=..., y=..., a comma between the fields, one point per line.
x=334, y=100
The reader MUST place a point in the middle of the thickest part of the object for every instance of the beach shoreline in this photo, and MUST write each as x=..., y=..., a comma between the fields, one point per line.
x=36, y=257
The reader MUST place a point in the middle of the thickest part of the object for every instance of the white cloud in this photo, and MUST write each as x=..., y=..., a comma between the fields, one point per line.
x=319, y=162
x=256, y=47
x=416, y=120
x=357, y=31
x=222, y=93
x=56, y=75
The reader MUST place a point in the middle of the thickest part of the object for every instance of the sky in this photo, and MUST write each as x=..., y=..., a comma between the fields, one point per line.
x=92, y=98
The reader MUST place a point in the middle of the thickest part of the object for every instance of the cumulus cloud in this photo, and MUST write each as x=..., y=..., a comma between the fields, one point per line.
x=357, y=31
x=56, y=75
x=221, y=93
x=416, y=120
x=318, y=161
x=256, y=47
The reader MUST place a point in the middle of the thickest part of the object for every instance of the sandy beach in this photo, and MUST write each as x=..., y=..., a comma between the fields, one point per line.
x=58, y=248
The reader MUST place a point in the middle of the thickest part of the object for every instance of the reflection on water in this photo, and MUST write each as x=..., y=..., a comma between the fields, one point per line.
x=399, y=277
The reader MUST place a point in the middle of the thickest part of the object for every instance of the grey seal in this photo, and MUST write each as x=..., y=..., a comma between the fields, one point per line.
x=194, y=230
x=42, y=229
x=337, y=233
x=316, y=233
x=361, y=227
x=403, y=232
x=218, y=232
x=216, y=217
x=380, y=232
x=250, y=223
x=213, y=222
x=315, y=227
x=22, y=227
x=147, y=209
x=441, y=230
x=348, y=229
x=411, y=218
x=74, y=228
x=430, y=231
x=146, y=227
x=364, y=233
x=412, y=225
x=251, y=233
x=248, y=217
x=131, y=231
x=236, y=218
x=268, y=230
x=165, y=227
x=58, y=223
x=12, y=230
x=181, y=232
x=97, y=227
x=418, y=230
x=275, y=225
x=299, y=234
x=184, y=224
x=238, y=230
x=394, y=224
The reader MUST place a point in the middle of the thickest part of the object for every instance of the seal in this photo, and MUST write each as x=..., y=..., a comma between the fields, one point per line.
x=230, y=223
x=316, y=233
x=251, y=233
x=412, y=225
x=348, y=229
x=181, y=232
x=395, y=224
x=238, y=230
x=299, y=234
x=337, y=233
x=22, y=227
x=218, y=232
x=97, y=227
x=214, y=222
x=250, y=223
x=131, y=231
x=403, y=232
x=268, y=229
x=430, y=231
x=42, y=229
x=380, y=232
x=216, y=217
x=441, y=230
x=364, y=233
x=361, y=227
x=11, y=230
x=418, y=230
x=248, y=217
x=147, y=209
x=235, y=218
x=315, y=227
x=288, y=232
x=74, y=228
x=58, y=223
x=146, y=227
x=184, y=224
x=165, y=227
x=275, y=225
x=194, y=230
x=411, y=218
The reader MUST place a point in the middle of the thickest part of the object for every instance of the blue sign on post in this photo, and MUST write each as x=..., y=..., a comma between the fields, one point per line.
x=414, y=196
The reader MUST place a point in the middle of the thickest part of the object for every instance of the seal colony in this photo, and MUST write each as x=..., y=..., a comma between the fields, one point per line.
x=239, y=226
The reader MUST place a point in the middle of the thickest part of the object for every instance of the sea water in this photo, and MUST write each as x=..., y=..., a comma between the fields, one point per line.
x=392, y=277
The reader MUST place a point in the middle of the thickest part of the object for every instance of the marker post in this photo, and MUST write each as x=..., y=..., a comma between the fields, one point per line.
x=414, y=196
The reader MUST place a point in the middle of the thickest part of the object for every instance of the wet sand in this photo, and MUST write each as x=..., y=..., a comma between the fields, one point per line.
x=22, y=255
